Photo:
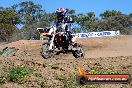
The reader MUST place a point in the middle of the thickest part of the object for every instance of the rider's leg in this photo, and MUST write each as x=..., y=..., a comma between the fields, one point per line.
x=70, y=37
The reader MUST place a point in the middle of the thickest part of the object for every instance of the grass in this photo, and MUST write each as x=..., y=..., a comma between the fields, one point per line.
x=1, y=52
x=38, y=74
x=98, y=69
x=93, y=69
x=2, y=79
x=16, y=74
x=42, y=83
x=19, y=74
x=70, y=82
x=54, y=66
x=60, y=77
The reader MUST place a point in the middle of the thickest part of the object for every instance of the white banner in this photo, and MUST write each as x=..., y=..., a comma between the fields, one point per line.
x=97, y=34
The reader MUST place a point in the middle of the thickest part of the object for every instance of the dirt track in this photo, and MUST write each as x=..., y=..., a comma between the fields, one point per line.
x=115, y=51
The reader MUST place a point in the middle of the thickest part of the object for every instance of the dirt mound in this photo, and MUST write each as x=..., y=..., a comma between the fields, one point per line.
x=115, y=51
x=107, y=46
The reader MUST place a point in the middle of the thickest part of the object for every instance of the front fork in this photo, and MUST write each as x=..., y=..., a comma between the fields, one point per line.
x=52, y=42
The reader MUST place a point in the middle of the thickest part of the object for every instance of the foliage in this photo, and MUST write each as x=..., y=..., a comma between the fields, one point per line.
x=111, y=20
x=29, y=16
x=1, y=52
x=86, y=21
x=110, y=14
x=19, y=74
x=16, y=74
x=7, y=16
x=29, y=12
x=6, y=30
x=8, y=21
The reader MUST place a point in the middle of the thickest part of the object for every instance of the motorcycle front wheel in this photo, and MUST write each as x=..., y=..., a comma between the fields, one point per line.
x=79, y=52
x=45, y=52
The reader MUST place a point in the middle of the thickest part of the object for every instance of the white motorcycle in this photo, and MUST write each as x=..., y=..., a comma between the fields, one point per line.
x=59, y=43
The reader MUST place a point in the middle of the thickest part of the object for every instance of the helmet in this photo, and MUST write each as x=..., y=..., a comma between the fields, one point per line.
x=63, y=10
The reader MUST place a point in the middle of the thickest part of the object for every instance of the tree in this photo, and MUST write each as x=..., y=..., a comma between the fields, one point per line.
x=7, y=16
x=71, y=11
x=29, y=12
x=119, y=22
x=8, y=21
x=6, y=31
x=87, y=21
x=110, y=14
x=115, y=20
x=31, y=15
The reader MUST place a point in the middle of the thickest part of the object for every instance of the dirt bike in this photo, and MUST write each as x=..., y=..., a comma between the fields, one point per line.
x=60, y=43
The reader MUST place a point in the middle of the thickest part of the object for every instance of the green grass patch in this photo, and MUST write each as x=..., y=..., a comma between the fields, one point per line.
x=1, y=52
x=19, y=74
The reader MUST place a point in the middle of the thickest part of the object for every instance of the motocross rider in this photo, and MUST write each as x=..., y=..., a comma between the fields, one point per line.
x=63, y=21
x=66, y=27
x=60, y=14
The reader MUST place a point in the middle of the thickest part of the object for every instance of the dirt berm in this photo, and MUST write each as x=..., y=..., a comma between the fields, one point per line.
x=115, y=51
